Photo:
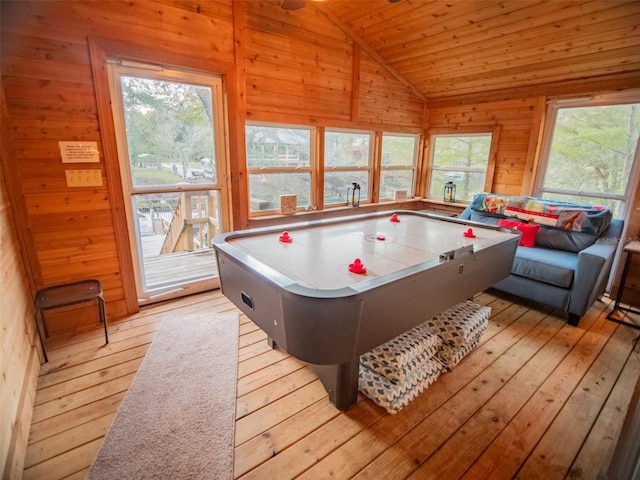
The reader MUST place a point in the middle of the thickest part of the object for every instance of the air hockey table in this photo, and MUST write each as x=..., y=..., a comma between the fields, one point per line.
x=328, y=291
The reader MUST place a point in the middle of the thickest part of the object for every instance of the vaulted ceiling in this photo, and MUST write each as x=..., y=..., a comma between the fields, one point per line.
x=466, y=48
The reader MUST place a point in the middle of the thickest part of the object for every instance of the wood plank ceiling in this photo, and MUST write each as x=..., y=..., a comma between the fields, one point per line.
x=475, y=48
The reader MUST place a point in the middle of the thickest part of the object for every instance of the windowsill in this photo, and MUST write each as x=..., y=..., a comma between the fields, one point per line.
x=443, y=203
x=330, y=212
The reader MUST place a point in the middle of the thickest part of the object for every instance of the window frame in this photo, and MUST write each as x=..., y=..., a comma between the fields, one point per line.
x=553, y=106
x=311, y=169
x=493, y=130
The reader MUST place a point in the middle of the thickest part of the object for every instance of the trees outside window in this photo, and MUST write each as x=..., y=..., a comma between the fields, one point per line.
x=278, y=163
x=462, y=159
x=347, y=160
x=169, y=131
x=590, y=154
x=398, y=165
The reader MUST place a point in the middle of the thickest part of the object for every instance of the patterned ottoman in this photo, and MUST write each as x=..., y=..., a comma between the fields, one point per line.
x=395, y=373
x=460, y=328
x=394, y=396
x=400, y=357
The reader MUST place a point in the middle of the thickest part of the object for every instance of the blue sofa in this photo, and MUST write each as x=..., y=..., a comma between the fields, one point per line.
x=567, y=265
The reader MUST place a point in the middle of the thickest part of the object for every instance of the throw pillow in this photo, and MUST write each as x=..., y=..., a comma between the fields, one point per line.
x=529, y=231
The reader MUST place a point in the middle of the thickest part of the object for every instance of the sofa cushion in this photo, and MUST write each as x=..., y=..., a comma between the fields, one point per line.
x=529, y=231
x=484, y=217
x=559, y=239
x=554, y=267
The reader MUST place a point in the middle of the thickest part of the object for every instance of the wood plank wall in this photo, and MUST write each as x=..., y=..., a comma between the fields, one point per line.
x=301, y=68
x=50, y=90
x=519, y=121
x=19, y=358
x=296, y=67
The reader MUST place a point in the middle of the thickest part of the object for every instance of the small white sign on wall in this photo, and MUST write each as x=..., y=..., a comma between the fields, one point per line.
x=79, y=152
x=83, y=178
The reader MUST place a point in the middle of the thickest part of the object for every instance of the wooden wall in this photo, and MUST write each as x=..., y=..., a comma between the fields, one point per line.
x=19, y=358
x=294, y=67
x=520, y=127
x=50, y=90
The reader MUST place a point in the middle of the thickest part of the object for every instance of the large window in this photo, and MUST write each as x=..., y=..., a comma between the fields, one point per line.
x=278, y=163
x=398, y=166
x=347, y=161
x=327, y=168
x=463, y=159
x=170, y=136
x=590, y=149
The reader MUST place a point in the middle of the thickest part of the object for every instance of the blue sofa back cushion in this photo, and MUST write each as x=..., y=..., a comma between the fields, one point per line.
x=548, y=237
x=594, y=221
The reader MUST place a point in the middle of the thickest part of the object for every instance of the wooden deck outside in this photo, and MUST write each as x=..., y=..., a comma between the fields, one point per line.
x=537, y=399
x=176, y=267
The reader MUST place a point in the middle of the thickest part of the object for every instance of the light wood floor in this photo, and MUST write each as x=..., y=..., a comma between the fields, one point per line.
x=537, y=399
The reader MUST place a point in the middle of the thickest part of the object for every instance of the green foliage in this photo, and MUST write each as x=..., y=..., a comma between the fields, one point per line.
x=167, y=122
x=593, y=149
x=462, y=151
x=277, y=147
x=398, y=150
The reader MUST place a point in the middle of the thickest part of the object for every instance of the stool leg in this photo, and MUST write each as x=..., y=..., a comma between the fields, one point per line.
x=40, y=328
x=103, y=318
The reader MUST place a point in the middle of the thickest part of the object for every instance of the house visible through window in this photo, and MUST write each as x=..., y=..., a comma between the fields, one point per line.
x=462, y=159
x=347, y=161
x=397, y=172
x=590, y=152
x=278, y=163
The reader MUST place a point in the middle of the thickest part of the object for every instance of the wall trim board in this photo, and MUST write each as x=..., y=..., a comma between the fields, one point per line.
x=16, y=198
x=112, y=169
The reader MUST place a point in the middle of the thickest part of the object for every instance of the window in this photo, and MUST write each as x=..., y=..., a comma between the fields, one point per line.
x=398, y=165
x=589, y=151
x=465, y=160
x=347, y=160
x=278, y=163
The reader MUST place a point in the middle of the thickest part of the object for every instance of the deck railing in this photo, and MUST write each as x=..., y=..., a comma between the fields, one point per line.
x=193, y=224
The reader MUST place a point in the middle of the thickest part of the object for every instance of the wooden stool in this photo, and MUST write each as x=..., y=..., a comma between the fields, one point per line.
x=58, y=296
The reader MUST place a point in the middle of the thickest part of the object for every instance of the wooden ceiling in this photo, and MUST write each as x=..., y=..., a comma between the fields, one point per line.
x=447, y=49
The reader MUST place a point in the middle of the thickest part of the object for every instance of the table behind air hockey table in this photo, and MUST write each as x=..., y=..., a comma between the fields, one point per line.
x=328, y=291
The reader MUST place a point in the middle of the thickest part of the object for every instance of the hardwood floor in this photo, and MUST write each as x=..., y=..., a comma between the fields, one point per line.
x=537, y=399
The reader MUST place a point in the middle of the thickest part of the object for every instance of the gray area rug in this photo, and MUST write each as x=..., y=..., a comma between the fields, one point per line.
x=177, y=420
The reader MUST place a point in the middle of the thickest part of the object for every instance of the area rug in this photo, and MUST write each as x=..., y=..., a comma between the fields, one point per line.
x=177, y=420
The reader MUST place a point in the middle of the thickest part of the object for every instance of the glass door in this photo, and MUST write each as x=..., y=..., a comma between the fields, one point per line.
x=170, y=133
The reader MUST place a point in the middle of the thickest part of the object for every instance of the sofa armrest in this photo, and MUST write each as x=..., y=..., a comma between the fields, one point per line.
x=466, y=213
x=591, y=276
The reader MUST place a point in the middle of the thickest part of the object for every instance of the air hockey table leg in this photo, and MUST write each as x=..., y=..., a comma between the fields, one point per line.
x=341, y=382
